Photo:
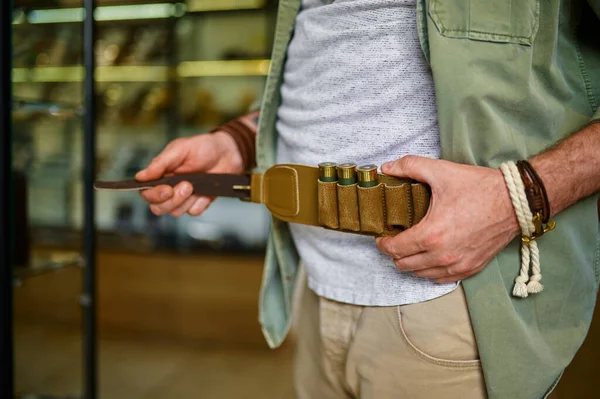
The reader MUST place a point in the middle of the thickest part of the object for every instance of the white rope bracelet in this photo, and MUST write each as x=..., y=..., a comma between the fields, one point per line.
x=530, y=254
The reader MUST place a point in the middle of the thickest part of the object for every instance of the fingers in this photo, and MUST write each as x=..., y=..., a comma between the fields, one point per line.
x=454, y=279
x=436, y=272
x=405, y=244
x=412, y=166
x=169, y=159
x=199, y=206
x=183, y=208
x=157, y=195
x=157, y=168
x=181, y=192
x=422, y=257
x=426, y=260
x=449, y=274
x=176, y=201
x=194, y=206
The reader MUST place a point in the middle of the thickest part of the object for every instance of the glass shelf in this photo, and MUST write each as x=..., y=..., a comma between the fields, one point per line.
x=69, y=11
x=224, y=5
x=148, y=73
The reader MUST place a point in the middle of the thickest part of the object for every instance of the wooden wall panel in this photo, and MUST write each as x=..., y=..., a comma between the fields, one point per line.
x=203, y=297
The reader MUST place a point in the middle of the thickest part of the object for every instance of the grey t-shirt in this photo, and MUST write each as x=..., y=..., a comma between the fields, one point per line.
x=356, y=89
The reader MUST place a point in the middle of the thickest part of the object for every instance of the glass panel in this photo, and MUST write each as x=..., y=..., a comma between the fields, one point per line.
x=177, y=297
x=47, y=96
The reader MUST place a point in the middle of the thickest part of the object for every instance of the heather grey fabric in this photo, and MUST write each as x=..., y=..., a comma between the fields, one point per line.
x=356, y=89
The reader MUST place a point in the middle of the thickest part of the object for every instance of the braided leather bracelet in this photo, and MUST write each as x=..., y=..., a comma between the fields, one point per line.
x=534, y=189
x=537, y=199
x=244, y=138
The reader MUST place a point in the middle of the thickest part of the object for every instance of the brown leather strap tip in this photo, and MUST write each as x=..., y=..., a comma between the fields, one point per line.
x=208, y=184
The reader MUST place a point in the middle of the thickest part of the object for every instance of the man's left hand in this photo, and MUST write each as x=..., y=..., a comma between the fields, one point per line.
x=469, y=221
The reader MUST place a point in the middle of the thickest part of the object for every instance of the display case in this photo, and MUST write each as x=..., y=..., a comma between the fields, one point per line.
x=165, y=69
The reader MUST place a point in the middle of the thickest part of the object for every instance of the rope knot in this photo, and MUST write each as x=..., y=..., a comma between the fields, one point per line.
x=520, y=289
x=521, y=280
x=534, y=285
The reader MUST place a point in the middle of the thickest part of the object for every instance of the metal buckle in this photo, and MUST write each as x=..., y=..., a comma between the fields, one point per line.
x=540, y=230
x=243, y=188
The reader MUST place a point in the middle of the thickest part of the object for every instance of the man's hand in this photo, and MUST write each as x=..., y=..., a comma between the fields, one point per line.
x=205, y=153
x=470, y=220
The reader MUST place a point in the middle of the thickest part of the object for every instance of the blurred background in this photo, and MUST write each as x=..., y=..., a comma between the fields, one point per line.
x=177, y=297
x=177, y=304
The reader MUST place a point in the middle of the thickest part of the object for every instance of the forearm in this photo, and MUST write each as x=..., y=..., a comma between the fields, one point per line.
x=571, y=169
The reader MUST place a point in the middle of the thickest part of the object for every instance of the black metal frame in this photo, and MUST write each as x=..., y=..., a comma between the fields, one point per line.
x=88, y=298
x=6, y=204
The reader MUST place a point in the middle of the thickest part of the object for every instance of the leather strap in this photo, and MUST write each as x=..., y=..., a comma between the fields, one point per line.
x=212, y=185
x=293, y=193
x=534, y=190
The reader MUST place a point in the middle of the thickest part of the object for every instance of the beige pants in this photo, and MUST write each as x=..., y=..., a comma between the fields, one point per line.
x=420, y=351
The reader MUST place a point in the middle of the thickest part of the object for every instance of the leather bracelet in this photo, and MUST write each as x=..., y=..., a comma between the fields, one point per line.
x=534, y=190
x=244, y=138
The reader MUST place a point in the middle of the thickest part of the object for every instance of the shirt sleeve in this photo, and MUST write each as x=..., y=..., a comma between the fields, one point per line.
x=595, y=4
x=256, y=105
x=596, y=116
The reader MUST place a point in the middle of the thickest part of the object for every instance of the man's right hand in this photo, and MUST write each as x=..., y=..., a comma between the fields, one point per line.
x=204, y=153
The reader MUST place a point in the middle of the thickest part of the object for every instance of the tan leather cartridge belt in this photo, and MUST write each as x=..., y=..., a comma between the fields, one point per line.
x=295, y=194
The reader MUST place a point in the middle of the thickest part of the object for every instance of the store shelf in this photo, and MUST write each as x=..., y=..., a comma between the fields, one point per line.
x=130, y=73
x=77, y=3
x=103, y=74
x=23, y=109
x=223, y=68
x=193, y=5
x=71, y=11
x=224, y=5
x=102, y=13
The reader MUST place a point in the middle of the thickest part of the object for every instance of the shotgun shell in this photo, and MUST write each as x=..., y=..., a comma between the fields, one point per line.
x=367, y=175
x=327, y=171
x=346, y=174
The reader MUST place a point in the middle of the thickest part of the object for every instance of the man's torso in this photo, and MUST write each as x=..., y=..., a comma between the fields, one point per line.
x=356, y=89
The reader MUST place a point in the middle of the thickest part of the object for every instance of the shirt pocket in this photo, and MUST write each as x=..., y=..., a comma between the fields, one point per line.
x=502, y=21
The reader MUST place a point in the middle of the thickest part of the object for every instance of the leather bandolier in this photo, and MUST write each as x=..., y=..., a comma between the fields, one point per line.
x=293, y=193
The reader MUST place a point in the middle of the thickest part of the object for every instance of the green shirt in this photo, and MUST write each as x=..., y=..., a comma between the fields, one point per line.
x=512, y=78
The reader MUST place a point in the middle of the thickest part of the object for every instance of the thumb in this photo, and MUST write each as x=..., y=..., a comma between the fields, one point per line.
x=168, y=160
x=412, y=167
